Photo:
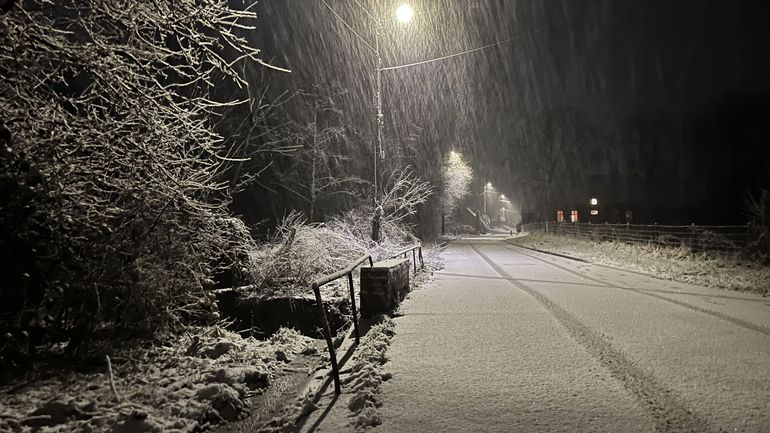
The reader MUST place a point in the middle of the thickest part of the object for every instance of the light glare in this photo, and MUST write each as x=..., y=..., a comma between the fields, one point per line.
x=404, y=13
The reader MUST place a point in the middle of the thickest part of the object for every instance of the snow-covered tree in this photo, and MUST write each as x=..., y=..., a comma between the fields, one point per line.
x=457, y=176
x=318, y=171
x=403, y=192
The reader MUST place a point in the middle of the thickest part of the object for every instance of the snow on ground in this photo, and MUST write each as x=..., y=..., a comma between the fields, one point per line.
x=193, y=381
x=363, y=381
x=184, y=385
x=677, y=264
x=358, y=407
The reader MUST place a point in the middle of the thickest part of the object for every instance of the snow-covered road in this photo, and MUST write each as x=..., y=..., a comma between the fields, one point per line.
x=507, y=339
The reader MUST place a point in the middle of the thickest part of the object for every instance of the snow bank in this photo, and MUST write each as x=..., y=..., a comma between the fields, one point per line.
x=183, y=385
x=678, y=264
x=363, y=382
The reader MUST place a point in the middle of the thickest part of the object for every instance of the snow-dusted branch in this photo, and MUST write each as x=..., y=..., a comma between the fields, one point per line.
x=404, y=191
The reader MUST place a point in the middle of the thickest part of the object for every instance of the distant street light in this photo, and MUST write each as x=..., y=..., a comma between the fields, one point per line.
x=594, y=204
x=487, y=187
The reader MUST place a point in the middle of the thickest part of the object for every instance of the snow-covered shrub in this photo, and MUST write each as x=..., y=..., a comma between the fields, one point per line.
x=301, y=252
x=110, y=108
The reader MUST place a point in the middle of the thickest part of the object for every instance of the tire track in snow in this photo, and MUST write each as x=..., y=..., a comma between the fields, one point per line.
x=712, y=313
x=660, y=402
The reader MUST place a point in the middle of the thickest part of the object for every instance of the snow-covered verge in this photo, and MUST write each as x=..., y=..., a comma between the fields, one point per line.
x=361, y=384
x=358, y=407
x=677, y=264
x=184, y=385
x=432, y=262
x=366, y=371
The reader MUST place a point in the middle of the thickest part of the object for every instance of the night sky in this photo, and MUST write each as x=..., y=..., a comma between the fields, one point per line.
x=658, y=106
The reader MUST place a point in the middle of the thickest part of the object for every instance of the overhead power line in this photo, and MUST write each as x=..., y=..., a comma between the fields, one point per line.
x=473, y=50
x=437, y=59
x=366, y=10
x=348, y=26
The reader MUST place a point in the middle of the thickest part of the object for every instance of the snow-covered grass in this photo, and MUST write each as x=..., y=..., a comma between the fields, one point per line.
x=679, y=264
x=182, y=385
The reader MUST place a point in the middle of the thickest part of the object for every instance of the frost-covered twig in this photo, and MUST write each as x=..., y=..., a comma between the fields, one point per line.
x=114, y=390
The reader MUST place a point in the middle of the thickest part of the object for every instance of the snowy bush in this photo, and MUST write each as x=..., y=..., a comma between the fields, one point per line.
x=301, y=252
x=111, y=188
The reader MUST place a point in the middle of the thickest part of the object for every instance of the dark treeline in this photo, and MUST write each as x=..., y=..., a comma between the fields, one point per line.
x=624, y=101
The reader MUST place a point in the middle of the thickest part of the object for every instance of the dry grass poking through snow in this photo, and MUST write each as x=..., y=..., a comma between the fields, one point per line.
x=182, y=386
x=678, y=264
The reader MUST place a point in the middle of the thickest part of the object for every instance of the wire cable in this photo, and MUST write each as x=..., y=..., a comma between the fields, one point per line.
x=348, y=26
x=473, y=50
x=367, y=11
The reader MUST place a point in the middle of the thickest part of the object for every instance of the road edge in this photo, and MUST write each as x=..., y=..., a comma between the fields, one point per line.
x=564, y=256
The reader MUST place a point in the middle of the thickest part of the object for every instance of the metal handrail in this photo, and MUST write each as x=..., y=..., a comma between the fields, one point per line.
x=315, y=285
x=414, y=249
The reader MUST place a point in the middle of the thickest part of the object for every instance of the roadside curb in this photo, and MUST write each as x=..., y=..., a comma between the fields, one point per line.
x=564, y=256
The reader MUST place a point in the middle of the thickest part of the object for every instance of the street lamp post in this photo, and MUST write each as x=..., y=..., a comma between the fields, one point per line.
x=404, y=14
x=378, y=102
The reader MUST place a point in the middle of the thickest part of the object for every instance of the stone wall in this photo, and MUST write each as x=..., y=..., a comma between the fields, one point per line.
x=383, y=286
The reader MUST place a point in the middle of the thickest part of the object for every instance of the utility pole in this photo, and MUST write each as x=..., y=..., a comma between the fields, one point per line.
x=378, y=150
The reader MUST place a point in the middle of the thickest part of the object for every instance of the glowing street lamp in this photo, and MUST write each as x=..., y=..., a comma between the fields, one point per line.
x=404, y=13
x=487, y=187
x=594, y=202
